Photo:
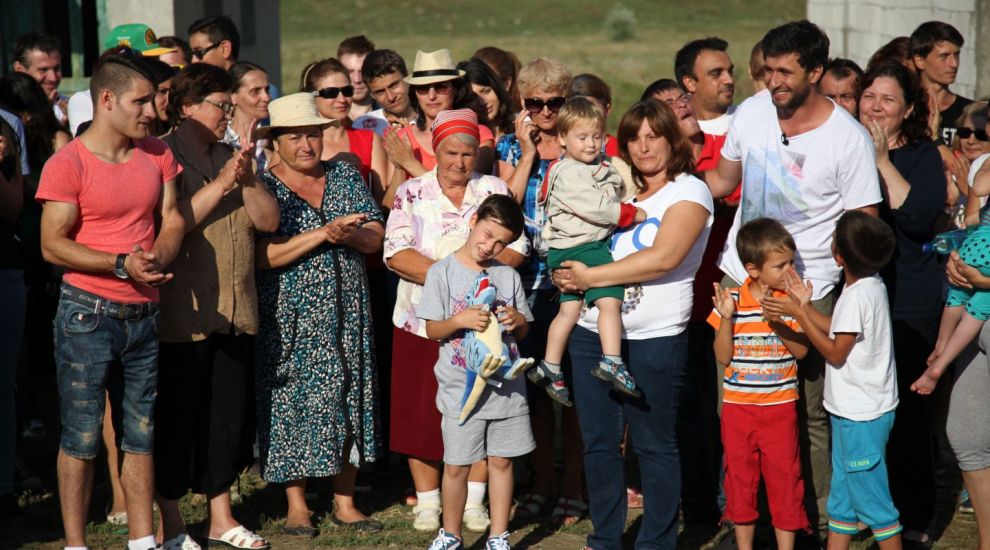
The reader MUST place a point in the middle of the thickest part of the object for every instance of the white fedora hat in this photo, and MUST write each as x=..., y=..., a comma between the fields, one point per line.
x=433, y=67
x=292, y=111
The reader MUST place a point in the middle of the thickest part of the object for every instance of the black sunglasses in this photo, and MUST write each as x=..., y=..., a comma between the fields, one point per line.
x=964, y=133
x=331, y=92
x=536, y=105
x=200, y=54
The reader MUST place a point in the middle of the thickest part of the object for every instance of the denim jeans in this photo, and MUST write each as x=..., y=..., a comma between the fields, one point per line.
x=87, y=345
x=658, y=365
x=13, y=295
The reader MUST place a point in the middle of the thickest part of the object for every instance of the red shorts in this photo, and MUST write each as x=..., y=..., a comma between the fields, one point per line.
x=763, y=439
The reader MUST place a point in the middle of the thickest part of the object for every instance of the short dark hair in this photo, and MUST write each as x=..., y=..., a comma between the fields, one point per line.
x=357, y=45
x=898, y=50
x=193, y=84
x=31, y=41
x=924, y=38
x=688, y=54
x=382, y=62
x=866, y=243
x=803, y=38
x=241, y=68
x=658, y=86
x=591, y=85
x=116, y=71
x=219, y=28
x=178, y=43
x=915, y=127
x=503, y=210
x=844, y=68
x=758, y=238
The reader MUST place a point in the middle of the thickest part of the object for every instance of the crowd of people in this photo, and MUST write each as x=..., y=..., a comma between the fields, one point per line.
x=200, y=274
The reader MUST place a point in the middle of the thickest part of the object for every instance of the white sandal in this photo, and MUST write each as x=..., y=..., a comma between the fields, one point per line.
x=239, y=537
x=182, y=541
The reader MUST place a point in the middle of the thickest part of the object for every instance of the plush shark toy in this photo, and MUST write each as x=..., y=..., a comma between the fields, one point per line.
x=488, y=356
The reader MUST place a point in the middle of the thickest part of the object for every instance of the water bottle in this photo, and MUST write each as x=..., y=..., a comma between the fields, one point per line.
x=946, y=242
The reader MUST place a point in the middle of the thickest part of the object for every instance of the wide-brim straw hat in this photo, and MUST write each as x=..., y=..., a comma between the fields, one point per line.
x=292, y=111
x=433, y=67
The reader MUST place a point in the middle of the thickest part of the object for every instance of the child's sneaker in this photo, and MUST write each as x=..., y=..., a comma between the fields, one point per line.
x=965, y=504
x=499, y=542
x=476, y=517
x=427, y=516
x=617, y=375
x=542, y=376
x=446, y=542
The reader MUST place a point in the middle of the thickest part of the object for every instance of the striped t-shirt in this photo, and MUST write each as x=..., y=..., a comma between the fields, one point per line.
x=762, y=371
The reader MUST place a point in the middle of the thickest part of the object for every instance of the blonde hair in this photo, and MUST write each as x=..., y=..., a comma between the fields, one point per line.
x=543, y=74
x=579, y=109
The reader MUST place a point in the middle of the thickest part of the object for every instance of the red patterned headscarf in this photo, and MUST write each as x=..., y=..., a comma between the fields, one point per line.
x=457, y=121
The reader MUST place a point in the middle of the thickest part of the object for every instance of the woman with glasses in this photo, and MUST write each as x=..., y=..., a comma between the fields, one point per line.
x=524, y=157
x=972, y=146
x=250, y=98
x=893, y=109
x=209, y=315
x=330, y=83
x=437, y=85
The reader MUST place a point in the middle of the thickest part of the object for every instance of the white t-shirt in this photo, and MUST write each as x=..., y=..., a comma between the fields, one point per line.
x=973, y=169
x=660, y=307
x=718, y=126
x=80, y=110
x=806, y=184
x=865, y=387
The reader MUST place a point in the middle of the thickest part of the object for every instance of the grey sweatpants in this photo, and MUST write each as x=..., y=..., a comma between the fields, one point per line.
x=968, y=426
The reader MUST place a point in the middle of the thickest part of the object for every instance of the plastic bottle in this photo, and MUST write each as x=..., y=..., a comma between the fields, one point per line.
x=946, y=242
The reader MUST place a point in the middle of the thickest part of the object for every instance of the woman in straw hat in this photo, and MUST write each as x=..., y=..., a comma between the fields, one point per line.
x=437, y=85
x=317, y=409
x=204, y=427
x=429, y=220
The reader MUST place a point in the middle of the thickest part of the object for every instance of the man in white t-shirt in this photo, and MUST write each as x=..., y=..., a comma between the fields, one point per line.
x=803, y=162
x=703, y=68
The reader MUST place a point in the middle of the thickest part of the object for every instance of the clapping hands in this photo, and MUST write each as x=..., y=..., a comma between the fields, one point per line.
x=798, y=296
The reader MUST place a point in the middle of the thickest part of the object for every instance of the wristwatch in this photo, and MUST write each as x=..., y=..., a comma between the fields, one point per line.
x=118, y=267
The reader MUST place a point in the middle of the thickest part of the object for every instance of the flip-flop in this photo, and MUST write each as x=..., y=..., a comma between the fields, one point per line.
x=238, y=537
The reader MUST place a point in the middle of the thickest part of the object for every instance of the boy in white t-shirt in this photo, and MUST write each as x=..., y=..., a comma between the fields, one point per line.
x=860, y=378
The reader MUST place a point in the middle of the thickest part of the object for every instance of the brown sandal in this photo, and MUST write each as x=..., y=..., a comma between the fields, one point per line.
x=569, y=511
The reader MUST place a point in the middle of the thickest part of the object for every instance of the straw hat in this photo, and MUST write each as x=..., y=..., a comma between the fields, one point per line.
x=292, y=111
x=433, y=67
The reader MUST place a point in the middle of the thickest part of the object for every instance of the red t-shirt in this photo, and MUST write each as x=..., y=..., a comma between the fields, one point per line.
x=361, y=143
x=116, y=207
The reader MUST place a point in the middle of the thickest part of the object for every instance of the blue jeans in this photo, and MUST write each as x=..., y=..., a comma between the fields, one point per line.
x=13, y=296
x=87, y=346
x=658, y=365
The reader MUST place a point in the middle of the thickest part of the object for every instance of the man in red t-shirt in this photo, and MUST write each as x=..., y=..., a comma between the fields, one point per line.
x=101, y=194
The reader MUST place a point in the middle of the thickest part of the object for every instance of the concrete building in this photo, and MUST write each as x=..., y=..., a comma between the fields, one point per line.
x=857, y=28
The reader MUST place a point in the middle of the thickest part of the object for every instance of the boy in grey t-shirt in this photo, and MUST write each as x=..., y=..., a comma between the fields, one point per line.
x=498, y=426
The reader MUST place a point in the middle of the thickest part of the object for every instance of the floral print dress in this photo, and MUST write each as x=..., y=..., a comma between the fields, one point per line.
x=317, y=385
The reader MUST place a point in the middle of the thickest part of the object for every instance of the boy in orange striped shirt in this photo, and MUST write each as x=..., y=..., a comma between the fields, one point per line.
x=760, y=388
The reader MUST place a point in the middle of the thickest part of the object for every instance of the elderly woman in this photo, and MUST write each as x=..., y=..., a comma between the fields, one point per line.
x=893, y=108
x=429, y=220
x=438, y=86
x=523, y=160
x=656, y=260
x=250, y=98
x=209, y=315
x=317, y=411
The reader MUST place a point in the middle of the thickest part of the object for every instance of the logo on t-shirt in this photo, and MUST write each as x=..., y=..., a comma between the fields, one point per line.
x=773, y=187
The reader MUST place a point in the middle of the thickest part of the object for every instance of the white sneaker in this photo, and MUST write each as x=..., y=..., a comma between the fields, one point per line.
x=476, y=517
x=427, y=516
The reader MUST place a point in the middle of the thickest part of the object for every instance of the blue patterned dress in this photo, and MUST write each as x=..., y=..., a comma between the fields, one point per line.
x=316, y=369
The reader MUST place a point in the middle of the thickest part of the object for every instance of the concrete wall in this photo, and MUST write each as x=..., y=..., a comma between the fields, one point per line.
x=857, y=28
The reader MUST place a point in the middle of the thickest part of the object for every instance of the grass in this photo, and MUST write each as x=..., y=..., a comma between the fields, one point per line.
x=574, y=31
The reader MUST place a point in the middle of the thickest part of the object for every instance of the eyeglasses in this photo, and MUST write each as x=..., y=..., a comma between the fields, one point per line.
x=682, y=99
x=964, y=133
x=535, y=105
x=200, y=54
x=227, y=108
x=441, y=88
x=331, y=92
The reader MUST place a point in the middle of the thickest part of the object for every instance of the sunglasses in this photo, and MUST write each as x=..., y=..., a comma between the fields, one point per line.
x=535, y=105
x=964, y=133
x=441, y=88
x=227, y=108
x=331, y=92
x=200, y=54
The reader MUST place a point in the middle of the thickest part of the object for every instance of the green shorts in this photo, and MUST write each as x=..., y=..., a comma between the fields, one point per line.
x=590, y=254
